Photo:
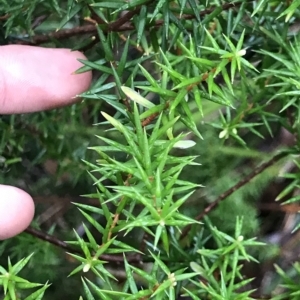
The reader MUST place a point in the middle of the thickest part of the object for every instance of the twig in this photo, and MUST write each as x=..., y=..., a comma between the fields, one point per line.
x=121, y=21
x=149, y=119
x=50, y=239
x=95, y=18
x=65, y=33
x=117, y=215
x=229, y=192
x=63, y=245
x=121, y=25
x=38, y=21
x=5, y=17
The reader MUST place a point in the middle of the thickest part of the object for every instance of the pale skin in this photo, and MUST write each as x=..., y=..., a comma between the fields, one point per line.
x=33, y=79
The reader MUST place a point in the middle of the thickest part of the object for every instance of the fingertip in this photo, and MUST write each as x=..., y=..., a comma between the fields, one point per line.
x=36, y=78
x=16, y=211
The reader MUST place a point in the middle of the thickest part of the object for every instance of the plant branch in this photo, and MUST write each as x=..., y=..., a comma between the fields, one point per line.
x=120, y=25
x=135, y=258
x=121, y=21
x=237, y=186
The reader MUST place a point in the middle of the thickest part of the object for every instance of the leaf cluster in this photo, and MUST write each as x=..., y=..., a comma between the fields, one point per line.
x=166, y=75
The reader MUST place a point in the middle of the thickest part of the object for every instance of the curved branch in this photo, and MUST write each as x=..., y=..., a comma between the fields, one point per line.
x=135, y=258
x=229, y=192
x=120, y=25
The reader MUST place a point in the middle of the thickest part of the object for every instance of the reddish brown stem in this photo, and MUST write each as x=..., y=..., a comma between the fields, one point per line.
x=63, y=245
x=229, y=192
x=120, y=25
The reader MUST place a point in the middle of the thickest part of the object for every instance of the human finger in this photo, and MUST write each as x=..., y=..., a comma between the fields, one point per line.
x=16, y=211
x=35, y=78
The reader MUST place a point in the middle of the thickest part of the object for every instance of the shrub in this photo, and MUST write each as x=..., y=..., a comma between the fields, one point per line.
x=197, y=133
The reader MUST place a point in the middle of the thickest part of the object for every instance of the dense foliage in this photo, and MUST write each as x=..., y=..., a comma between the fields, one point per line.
x=187, y=136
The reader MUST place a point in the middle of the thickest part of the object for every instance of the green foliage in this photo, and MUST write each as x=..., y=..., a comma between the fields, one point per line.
x=13, y=284
x=291, y=286
x=186, y=97
x=225, y=262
